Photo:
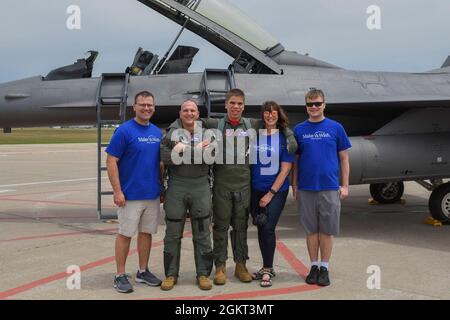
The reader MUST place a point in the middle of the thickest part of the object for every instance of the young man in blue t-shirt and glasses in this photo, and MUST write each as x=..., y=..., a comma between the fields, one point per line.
x=322, y=154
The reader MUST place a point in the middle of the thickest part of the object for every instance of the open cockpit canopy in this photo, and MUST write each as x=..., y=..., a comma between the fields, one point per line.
x=225, y=26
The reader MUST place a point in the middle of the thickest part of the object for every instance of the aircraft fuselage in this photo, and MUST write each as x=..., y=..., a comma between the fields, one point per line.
x=361, y=101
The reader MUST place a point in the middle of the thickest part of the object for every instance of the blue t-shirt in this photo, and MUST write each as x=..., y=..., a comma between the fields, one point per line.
x=319, y=144
x=270, y=151
x=137, y=148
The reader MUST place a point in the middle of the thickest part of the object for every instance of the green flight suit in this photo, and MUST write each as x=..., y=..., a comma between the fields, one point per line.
x=188, y=191
x=231, y=191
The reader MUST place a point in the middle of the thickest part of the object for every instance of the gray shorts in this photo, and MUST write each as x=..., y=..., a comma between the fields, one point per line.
x=319, y=211
x=139, y=215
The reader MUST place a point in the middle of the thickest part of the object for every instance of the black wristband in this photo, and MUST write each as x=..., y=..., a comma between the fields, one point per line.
x=272, y=191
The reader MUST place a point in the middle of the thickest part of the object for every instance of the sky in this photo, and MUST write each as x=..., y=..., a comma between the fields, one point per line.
x=34, y=38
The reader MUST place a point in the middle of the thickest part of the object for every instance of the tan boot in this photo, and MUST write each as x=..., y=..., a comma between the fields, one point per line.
x=169, y=283
x=204, y=283
x=220, y=277
x=242, y=273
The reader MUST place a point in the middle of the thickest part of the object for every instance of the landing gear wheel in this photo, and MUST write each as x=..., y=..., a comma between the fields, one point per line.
x=390, y=192
x=439, y=203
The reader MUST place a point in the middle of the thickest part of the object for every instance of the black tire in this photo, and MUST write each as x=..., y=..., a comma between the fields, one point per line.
x=439, y=203
x=390, y=192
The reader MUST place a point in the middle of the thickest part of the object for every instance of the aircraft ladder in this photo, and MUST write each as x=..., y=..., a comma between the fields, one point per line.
x=215, y=97
x=112, y=92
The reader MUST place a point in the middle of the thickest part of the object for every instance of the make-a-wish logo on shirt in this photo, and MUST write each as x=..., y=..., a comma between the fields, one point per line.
x=317, y=135
x=236, y=133
x=149, y=139
x=265, y=148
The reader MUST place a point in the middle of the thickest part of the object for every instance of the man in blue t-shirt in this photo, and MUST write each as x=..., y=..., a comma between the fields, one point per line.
x=135, y=174
x=322, y=154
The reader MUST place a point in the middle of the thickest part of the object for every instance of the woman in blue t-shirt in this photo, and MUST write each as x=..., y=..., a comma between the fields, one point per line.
x=270, y=185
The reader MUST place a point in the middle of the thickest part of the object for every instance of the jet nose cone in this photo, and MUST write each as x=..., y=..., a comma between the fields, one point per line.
x=16, y=103
x=2, y=105
x=12, y=101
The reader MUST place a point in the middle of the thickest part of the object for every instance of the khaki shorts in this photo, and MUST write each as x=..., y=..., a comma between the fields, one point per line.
x=142, y=215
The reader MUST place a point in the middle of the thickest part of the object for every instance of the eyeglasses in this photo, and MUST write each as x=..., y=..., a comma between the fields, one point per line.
x=273, y=113
x=143, y=105
x=315, y=104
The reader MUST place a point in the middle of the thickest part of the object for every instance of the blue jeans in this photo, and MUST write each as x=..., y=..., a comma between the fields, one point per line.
x=266, y=233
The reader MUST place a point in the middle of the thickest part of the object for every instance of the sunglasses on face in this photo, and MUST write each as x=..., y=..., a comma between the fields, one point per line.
x=315, y=104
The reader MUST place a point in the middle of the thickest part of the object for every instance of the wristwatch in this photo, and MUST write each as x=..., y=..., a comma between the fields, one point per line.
x=272, y=191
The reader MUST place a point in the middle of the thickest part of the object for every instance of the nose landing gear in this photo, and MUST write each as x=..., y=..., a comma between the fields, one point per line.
x=439, y=203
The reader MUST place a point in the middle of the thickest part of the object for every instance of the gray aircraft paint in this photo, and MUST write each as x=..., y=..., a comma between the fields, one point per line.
x=376, y=108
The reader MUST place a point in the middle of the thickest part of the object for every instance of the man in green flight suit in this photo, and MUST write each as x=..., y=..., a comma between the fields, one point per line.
x=188, y=192
x=231, y=191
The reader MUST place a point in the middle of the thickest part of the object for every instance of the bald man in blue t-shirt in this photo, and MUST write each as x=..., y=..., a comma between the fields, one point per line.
x=322, y=153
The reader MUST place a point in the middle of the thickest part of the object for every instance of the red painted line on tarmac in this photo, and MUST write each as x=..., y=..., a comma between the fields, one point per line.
x=47, y=192
x=43, y=218
x=14, y=291
x=48, y=201
x=58, y=276
x=54, y=202
x=64, y=234
x=62, y=275
x=263, y=293
x=287, y=254
x=248, y=294
x=180, y=298
x=290, y=258
x=26, y=287
x=47, y=218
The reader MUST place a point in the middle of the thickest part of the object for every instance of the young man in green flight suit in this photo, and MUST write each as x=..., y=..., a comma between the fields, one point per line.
x=231, y=192
x=188, y=191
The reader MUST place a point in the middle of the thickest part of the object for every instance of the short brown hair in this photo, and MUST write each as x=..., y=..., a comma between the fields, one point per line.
x=234, y=93
x=143, y=94
x=283, y=121
x=314, y=93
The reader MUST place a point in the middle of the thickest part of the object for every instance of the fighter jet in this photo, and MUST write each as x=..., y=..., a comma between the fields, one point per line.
x=399, y=122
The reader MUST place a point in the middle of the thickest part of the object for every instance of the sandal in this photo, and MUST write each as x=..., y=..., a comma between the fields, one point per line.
x=258, y=275
x=266, y=280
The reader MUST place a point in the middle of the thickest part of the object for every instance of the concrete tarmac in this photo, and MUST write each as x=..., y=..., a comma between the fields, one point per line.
x=49, y=227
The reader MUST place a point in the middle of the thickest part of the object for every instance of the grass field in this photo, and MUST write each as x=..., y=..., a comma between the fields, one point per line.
x=54, y=135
